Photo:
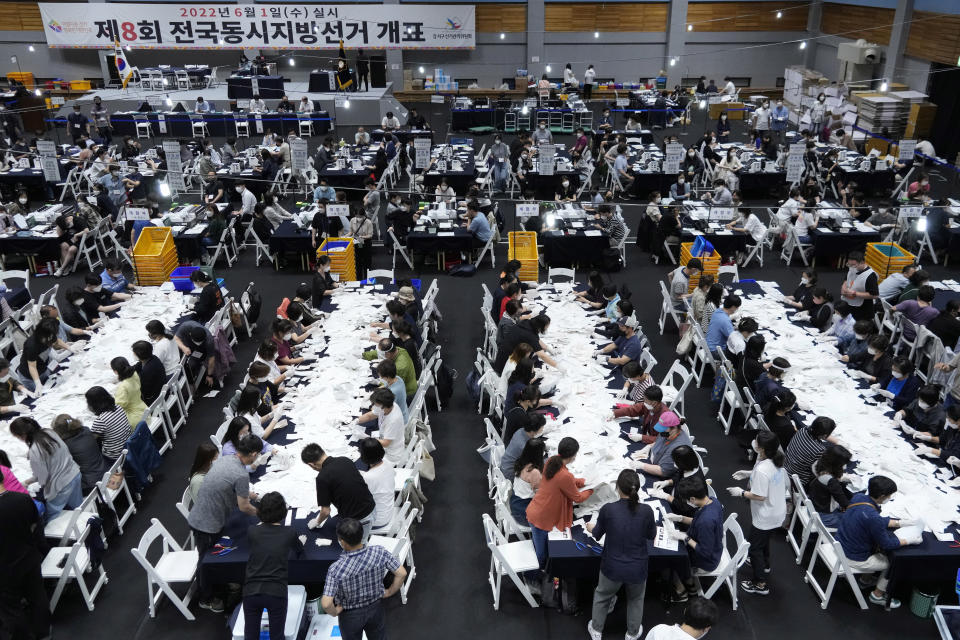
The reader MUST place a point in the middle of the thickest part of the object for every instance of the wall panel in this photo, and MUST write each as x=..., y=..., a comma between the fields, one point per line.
x=495, y=18
x=747, y=16
x=934, y=36
x=589, y=16
x=852, y=22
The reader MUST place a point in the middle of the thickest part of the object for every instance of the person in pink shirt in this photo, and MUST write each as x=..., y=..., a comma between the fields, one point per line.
x=9, y=480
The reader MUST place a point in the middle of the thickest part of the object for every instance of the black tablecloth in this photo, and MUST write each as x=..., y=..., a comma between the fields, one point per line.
x=465, y=119
x=760, y=185
x=189, y=246
x=727, y=245
x=931, y=562
x=872, y=183
x=834, y=243
x=567, y=561
x=30, y=246
x=289, y=239
x=241, y=87
x=461, y=181
x=424, y=242
x=564, y=249
x=402, y=134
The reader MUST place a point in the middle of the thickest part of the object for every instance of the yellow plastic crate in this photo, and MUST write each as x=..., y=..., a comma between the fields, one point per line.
x=711, y=264
x=887, y=257
x=154, y=256
x=342, y=257
x=523, y=247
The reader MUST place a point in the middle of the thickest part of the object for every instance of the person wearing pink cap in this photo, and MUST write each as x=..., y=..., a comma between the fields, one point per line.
x=670, y=435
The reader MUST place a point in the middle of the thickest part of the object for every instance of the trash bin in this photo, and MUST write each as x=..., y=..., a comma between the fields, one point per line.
x=924, y=601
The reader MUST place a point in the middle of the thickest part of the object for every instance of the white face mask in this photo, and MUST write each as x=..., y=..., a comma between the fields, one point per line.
x=923, y=405
x=946, y=425
x=859, y=336
x=543, y=126
x=260, y=380
x=872, y=351
x=648, y=406
x=377, y=410
x=238, y=189
x=287, y=336
x=804, y=281
x=756, y=447
x=23, y=201
x=692, y=504
x=565, y=184
x=898, y=375
x=98, y=288
x=7, y=377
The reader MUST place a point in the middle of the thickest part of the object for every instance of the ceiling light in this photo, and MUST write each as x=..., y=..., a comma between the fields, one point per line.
x=703, y=104
x=502, y=35
x=30, y=48
x=38, y=92
x=292, y=62
x=420, y=69
x=803, y=44
x=689, y=27
x=548, y=69
x=779, y=14
x=673, y=61
x=346, y=104
x=596, y=34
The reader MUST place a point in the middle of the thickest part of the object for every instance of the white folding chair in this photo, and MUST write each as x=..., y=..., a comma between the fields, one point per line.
x=67, y=524
x=666, y=309
x=175, y=565
x=487, y=248
x=730, y=401
x=792, y=243
x=16, y=275
x=805, y=514
x=224, y=247
x=829, y=551
x=183, y=79
x=373, y=274
x=402, y=549
x=241, y=125
x=109, y=496
x=398, y=248
x=183, y=507
x=731, y=560
x=64, y=564
x=508, y=558
x=553, y=272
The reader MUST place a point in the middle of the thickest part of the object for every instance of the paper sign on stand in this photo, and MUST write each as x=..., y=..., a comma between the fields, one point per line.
x=547, y=159
x=298, y=154
x=171, y=148
x=527, y=209
x=674, y=156
x=422, y=150
x=906, y=150
x=48, y=160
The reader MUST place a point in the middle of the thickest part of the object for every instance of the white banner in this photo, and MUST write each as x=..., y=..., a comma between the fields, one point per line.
x=260, y=26
x=48, y=160
x=547, y=159
x=674, y=156
x=298, y=154
x=171, y=149
x=421, y=148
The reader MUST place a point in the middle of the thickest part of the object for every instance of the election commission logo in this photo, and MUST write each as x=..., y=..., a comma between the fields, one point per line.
x=55, y=26
x=454, y=23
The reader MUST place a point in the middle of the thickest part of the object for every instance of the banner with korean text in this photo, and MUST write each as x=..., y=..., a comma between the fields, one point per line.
x=259, y=26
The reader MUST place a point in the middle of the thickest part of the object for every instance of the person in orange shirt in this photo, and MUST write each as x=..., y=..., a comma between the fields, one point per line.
x=552, y=505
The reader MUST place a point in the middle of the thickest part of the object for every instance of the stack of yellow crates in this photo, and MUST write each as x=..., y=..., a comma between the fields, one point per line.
x=342, y=261
x=887, y=257
x=711, y=264
x=523, y=247
x=154, y=256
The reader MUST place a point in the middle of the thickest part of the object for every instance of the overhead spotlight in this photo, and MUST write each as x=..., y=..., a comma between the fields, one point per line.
x=689, y=27
x=779, y=14
x=803, y=44
x=292, y=62
x=596, y=34
x=164, y=189
x=169, y=101
x=548, y=68
x=884, y=86
x=38, y=92
x=551, y=220
x=346, y=104
x=420, y=69
x=13, y=59
x=525, y=110
x=703, y=104
x=502, y=35
x=31, y=48
x=165, y=82
x=673, y=62
x=921, y=224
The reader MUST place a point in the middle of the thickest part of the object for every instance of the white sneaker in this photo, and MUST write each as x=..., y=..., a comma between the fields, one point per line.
x=58, y=273
x=627, y=636
x=594, y=634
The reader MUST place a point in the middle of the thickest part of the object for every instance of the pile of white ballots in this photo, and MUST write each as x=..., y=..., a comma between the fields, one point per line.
x=326, y=394
x=581, y=394
x=824, y=386
x=90, y=365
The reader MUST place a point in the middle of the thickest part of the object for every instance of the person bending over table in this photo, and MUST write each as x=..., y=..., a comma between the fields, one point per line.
x=625, y=348
x=946, y=445
x=340, y=484
x=865, y=536
x=36, y=360
x=903, y=385
x=669, y=429
x=196, y=342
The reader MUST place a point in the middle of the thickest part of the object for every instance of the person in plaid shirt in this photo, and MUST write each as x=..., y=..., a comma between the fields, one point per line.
x=354, y=588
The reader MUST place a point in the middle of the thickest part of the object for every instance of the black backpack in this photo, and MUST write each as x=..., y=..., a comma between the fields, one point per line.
x=463, y=270
x=444, y=382
x=252, y=309
x=610, y=260
x=473, y=386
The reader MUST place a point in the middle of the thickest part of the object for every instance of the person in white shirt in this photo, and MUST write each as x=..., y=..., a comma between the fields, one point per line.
x=806, y=219
x=361, y=137
x=729, y=89
x=164, y=347
x=926, y=148
x=761, y=117
x=589, y=76
x=247, y=200
x=751, y=225
x=737, y=341
x=202, y=106
x=380, y=478
x=389, y=422
x=445, y=192
x=267, y=138
x=305, y=106
x=569, y=79
x=768, y=506
x=728, y=168
x=257, y=105
x=698, y=618
x=789, y=209
x=390, y=122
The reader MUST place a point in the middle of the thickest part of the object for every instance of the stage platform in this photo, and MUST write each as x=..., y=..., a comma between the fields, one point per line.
x=364, y=108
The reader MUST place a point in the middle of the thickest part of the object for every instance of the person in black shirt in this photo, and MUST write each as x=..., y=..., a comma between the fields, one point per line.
x=339, y=483
x=687, y=464
x=285, y=106
x=403, y=333
x=213, y=190
x=777, y=416
x=84, y=449
x=97, y=300
x=24, y=607
x=416, y=121
x=363, y=70
x=265, y=586
x=946, y=326
x=77, y=123
x=210, y=299
x=268, y=166
x=299, y=302
x=34, y=357
x=877, y=366
x=826, y=484
x=152, y=373
x=751, y=366
x=70, y=229
x=323, y=283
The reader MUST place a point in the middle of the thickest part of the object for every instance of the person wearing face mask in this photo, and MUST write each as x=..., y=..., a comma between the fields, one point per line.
x=70, y=230
x=213, y=190
x=625, y=348
x=552, y=505
x=918, y=312
x=818, y=115
x=112, y=277
x=164, y=347
x=150, y=370
x=770, y=383
x=626, y=525
x=390, y=423
x=721, y=196
x=254, y=403
x=820, y=313
x=542, y=135
x=8, y=385
x=723, y=128
x=699, y=617
x=761, y=117
x=779, y=116
x=876, y=366
x=96, y=300
x=687, y=463
x=855, y=350
x=925, y=415
x=195, y=342
x=768, y=506
x=903, y=386
x=247, y=201
x=210, y=299
x=322, y=283
x=499, y=161
x=691, y=165
x=802, y=295
x=670, y=435
x=267, y=354
x=113, y=185
x=566, y=192
x=865, y=536
x=841, y=327
x=919, y=189
x=946, y=444
x=703, y=538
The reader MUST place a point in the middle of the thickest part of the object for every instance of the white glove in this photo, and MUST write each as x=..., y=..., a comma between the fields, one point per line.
x=280, y=424
x=674, y=517
x=313, y=524
x=677, y=535
x=925, y=451
x=906, y=522
x=660, y=484
x=75, y=347
x=34, y=394
x=622, y=395
x=645, y=452
x=636, y=437
x=609, y=417
x=18, y=408
x=898, y=418
x=907, y=429
x=875, y=386
x=302, y=538
x=659, y=494
x=954, y=460
x=53, y=365
x=743, y=474
x=922, y=435
x=595, y=353
x=736, y=492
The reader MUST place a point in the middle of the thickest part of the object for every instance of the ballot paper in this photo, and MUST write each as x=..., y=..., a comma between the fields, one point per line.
x=664, y=541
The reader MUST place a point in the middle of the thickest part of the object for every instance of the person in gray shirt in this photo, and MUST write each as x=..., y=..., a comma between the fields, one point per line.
x=226, y=487
x=671, y=435
x=532, y=429
x=721, y=196
x=542, y=135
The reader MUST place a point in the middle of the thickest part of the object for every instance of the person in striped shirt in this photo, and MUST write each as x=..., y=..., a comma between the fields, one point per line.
x=110, y=425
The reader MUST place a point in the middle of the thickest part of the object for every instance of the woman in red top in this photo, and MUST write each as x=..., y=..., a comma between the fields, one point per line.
x=282, y=330
x=552, y=505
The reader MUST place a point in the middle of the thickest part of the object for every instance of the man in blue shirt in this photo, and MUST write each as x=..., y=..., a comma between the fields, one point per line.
x=863, y=530
x=703, y=538
x=778, y=120
x=478, y=224
x=113, y=187
x=626, y=346
x=113, y=279
x=720, y=324
x=324, y=191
